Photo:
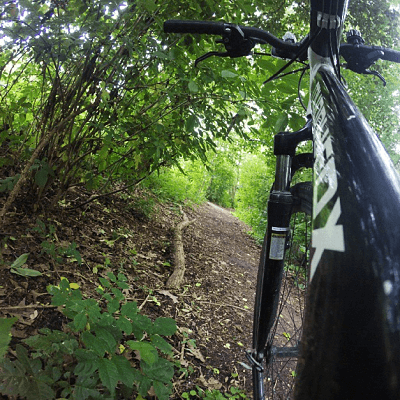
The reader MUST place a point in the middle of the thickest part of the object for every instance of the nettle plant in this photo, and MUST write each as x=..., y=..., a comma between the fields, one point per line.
x=108, y=351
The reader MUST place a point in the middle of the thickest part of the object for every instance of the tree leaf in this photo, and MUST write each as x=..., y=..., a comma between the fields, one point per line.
x=94, y=343
x=191, y=122
x=193, y=87
x=104, y=282
x=84, y=388
x=41, y=177
x=148, y=352
x=144, y=385
x=129, y=310
x=108, y=339
x=281, y=123
x=149, y=5
x=80, y=321
x=118, y=294
x=87, y=362
x=113, y=305
x=124, y=325
x=164, y=326
x=296, y=121
x=162, y=391
x=112, y=277
x=25, y=272
x=108, y=373
x=21, y=260
x=228, y=74
x=18, y=381
x=287, y=87
x=160, y=54
x=127, y=373
x=28, y=364
x=140, y=324
x=162, y=370
x=123, y=285
x=73, y=285
x=5, y=335
x=161, y=344
x=269, y=65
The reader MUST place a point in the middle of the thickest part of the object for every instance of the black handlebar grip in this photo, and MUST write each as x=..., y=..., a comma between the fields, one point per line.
x=391, y=55
x=207, y=27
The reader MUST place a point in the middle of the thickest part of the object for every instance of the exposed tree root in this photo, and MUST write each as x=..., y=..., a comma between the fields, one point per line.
x=175, y=280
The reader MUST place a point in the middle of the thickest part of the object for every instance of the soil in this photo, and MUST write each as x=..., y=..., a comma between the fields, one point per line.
x=133, y=235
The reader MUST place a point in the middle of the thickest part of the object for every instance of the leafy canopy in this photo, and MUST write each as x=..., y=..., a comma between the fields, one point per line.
x=95, y=94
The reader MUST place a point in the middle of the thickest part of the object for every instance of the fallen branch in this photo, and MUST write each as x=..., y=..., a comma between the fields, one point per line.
x=223, y=305
x=27, y=306
x=176, y=278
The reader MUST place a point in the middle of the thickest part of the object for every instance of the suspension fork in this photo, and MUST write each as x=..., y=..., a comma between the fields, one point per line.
x=279, y=211
x=281, y=200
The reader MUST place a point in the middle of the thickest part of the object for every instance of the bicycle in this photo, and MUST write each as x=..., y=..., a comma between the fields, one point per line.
x=347, y=342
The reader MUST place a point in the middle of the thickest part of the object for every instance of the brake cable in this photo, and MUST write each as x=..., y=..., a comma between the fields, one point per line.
x=298, y=87
x=301, y=49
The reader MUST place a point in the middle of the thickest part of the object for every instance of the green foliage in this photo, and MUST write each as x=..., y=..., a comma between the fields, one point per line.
x=186, y=183
x=102, y=97
x=17, y=267
x=255, y=183
x=95, y=358
x=222, y=185
x=378, y=21
x=52, y=247
x=234, y=393
x=145, y=204
x=5, y=335
x=197, y=182
x=108, y=98
x=8, y=183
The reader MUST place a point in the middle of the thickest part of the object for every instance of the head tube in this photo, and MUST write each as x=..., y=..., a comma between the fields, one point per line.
x=327, y=21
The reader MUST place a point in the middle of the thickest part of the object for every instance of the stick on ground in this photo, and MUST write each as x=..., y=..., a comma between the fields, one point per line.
x=176, y=278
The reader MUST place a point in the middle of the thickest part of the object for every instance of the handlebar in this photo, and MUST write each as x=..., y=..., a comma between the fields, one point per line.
x=206, y=27
x=349, y=51
x=221, y=28
x=358, y=57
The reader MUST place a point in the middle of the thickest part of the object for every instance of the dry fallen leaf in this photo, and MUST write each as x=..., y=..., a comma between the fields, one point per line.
x=211, y=384
x=34, y=314
x=214, y=384
x=196, y=352
x=174, y=299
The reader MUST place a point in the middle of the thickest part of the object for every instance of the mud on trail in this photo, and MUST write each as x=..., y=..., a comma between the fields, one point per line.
x=213, y=308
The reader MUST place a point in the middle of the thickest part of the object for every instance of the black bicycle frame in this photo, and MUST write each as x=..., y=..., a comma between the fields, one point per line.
x=352, y=327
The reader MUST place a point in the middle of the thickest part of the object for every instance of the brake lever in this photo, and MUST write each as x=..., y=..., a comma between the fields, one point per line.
x=210, y=54
x=376, y=73
x=360, y=66
x=357, y=60
x=235, y=42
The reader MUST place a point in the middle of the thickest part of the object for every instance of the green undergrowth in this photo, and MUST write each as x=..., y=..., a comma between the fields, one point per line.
x=198, y=393
x=108, y=350
x=172, y=184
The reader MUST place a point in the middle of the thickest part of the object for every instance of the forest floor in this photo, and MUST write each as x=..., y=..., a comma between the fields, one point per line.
x=213, y=307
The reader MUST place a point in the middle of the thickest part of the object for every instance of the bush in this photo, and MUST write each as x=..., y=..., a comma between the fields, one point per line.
x=255, y=183
x=95, y=357
x=172, y=184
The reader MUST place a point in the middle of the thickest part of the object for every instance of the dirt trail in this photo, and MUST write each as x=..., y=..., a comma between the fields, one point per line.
x=223, y=258
x=216, y=301
x=213, y=308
